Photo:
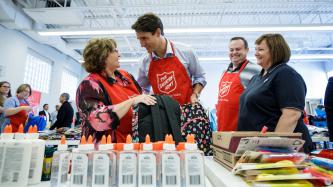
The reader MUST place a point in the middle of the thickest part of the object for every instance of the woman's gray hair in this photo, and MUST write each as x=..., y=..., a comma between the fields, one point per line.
x=66, y=95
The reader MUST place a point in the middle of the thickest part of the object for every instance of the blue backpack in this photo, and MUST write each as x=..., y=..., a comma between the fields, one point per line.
x=40, y=121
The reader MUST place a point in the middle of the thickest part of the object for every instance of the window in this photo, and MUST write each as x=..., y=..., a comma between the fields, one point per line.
x=38, y=72
x=69, y=84
x=330, y=74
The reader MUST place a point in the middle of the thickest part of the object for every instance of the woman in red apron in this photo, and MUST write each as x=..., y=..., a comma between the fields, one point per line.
x=105, y=97
x=17, y=107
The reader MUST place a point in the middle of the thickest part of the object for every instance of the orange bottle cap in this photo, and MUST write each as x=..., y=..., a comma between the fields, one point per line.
x=35, y=129
x=20, y=129
x=180, y=146
x=90, y=139
x=83, y=139
x=129, y=139
x=109, y=139
x=103, y=140
x=63, y=140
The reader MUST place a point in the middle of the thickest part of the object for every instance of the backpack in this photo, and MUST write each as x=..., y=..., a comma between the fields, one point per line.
x=159, y=120
x=194, y=120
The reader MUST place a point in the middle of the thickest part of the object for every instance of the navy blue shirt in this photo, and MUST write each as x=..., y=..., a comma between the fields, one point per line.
x=265, y=96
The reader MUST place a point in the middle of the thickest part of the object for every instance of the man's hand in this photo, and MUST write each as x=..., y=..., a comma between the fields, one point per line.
x=194, y=98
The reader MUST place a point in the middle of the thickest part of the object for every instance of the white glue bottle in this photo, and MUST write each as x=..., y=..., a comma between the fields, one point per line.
x=104, y=164
x=170, y=161
x=127, y=163
x=60, y=165
x=192, y=162
x=82, y=163
x=37, y=155
x=148, y=167
x=15, y=160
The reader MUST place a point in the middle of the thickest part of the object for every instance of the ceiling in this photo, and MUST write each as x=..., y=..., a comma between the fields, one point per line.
x=113, y=15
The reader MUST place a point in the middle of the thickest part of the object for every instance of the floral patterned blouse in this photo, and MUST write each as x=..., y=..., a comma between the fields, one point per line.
x=95, y=106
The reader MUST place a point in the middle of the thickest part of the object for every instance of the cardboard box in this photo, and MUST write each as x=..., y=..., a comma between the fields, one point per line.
x=228, y=147
x=225, y=158
x=229, y=141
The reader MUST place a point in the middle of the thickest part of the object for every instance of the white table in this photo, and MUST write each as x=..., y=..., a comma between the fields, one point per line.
x=220, y=176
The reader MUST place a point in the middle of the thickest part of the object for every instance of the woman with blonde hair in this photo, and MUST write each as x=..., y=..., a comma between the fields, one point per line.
x=18, y=107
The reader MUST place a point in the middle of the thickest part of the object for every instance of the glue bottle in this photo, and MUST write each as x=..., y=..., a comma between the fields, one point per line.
x=170, y=164
x=127, y=163
x=104, y=164
x=148, y=167
x=15, y=155
x=192, y=162
x=60, y=165
x=37, y=155
x=82, y=163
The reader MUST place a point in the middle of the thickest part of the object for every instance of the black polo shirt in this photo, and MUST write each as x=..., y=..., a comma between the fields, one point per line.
x=265, y=96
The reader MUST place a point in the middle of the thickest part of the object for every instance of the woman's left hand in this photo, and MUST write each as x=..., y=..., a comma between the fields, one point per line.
x=146, y=99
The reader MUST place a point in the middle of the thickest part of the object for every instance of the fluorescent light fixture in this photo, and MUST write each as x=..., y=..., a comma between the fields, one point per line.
x=85, y=32
x=267, y=28
x=293, y=57
x=251, y=58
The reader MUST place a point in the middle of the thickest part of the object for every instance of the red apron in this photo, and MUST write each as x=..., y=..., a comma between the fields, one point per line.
x=19, y=118
x=119, y=93
x=168, y=76
x=230, y=89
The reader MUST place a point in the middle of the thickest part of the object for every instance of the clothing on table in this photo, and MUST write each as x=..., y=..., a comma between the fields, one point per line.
x=328, y=102
x=185, y=55
x=261, y=103
x=46, y=114
x=231, y=86
x=19, y=118
x=64, y=117
x=96, y=106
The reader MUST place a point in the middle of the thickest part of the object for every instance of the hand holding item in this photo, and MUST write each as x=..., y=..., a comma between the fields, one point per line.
x=146, y=99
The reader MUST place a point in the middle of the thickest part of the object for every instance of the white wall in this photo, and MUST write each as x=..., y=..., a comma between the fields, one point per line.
x=314, y=75
x=13, y=50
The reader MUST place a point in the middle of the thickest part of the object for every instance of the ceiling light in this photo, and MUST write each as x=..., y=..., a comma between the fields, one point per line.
x=270, y=28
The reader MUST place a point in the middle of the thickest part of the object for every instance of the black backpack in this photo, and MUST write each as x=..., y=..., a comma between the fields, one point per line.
x=160, y=119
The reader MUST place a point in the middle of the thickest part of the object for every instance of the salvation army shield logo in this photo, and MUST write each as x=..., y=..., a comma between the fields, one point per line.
x=224, y=88
x=166, y=82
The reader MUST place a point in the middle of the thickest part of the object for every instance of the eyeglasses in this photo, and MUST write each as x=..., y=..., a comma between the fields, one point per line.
x=6, y=86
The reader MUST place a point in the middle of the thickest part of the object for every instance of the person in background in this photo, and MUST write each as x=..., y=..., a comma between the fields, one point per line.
x=5, y=93
x=169, y=68
x=45, y=113
x=232, y=84
x=18, y=107
x=54, y=114
x=275, y=98
x=65, y=114
x=105, y=97
x=328, y=103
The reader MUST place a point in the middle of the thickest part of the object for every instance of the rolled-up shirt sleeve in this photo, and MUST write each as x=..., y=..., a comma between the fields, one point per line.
x=93, y=107
x=143, y=75
x=196, y=71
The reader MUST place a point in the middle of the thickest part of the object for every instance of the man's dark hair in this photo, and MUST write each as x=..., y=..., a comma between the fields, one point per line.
x=148, y=22
x=246, y=45
x=45, y=105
